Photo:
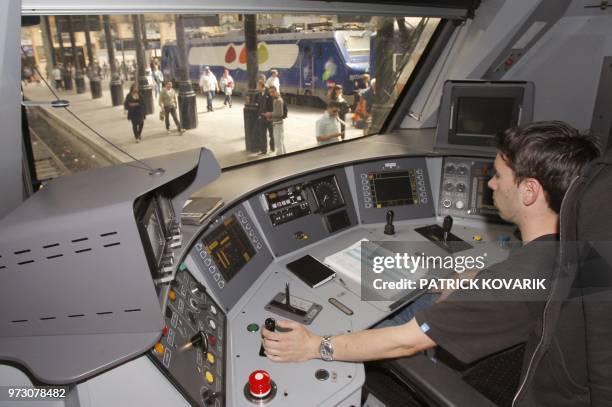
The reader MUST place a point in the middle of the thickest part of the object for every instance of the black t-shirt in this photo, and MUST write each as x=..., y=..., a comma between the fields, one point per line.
x=472, y=324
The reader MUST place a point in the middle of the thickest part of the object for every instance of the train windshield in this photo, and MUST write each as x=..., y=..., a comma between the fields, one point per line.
x=248, y=87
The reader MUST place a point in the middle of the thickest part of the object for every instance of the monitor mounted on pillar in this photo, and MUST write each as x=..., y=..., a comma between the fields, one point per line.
x=473, y=112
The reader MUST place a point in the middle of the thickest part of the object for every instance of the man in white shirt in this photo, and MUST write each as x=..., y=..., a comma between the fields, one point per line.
x=209, y=85
x=273, y=80
x=56, y=73
x=328, y=126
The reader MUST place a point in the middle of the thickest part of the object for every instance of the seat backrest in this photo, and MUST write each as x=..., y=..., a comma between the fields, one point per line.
x=585, y=276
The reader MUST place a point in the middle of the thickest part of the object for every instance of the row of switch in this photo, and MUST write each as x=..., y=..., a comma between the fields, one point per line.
x=460, y=170
x=212, y=269
x=249, y=230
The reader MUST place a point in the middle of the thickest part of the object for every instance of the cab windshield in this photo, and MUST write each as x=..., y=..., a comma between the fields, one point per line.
x=247, y=87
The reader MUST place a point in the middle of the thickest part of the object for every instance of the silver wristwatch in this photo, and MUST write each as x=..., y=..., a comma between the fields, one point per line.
x=326, y=349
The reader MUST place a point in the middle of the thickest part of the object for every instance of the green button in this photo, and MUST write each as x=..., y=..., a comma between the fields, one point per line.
x=183, y=266
x=253, y=327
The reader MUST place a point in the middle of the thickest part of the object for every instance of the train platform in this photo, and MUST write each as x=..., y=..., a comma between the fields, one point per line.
x=221, y=131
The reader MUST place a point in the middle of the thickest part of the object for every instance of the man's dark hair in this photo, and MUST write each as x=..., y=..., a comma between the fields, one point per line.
x=334, y=105
x=553, y=152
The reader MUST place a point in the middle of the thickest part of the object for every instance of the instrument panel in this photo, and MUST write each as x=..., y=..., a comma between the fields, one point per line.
x=229, y=256
x=303, y=211
x=463, y=188
x=401, y=185
x=191, y=351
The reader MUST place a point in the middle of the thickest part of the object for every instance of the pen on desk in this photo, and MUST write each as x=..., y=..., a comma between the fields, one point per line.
x=341, y=281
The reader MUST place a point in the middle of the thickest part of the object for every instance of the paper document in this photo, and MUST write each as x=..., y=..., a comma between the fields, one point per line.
x=347, y=265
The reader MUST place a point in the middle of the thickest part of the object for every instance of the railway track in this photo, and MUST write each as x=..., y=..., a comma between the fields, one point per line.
x=48, y=165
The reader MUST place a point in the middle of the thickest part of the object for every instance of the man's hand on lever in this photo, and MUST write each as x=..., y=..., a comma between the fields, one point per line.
x=297, y=344
x=300, y=345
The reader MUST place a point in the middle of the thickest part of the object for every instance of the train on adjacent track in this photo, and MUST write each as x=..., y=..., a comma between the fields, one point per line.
x=309, y=63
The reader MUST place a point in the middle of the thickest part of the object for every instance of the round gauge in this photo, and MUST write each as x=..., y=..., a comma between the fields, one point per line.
x=327, y=194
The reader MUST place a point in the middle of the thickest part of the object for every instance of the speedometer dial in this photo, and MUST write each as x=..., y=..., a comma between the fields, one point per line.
x=327, y=194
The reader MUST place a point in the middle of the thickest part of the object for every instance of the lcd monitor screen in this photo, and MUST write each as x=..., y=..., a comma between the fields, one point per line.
x=485, y=116
x=230, y=247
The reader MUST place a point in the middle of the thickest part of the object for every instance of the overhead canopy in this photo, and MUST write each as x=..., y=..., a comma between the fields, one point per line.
x=433, y=8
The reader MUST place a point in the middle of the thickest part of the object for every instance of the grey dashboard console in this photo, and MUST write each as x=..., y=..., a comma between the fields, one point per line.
x=304, y=210
x=230, y=255
x=401, y=185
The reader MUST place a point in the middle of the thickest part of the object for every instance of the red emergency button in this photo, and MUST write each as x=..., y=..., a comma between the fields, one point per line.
x=259, y=384
x=212, y=340
x=165, y=330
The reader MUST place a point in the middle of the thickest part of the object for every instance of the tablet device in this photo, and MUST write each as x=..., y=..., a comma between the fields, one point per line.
x=311, y=271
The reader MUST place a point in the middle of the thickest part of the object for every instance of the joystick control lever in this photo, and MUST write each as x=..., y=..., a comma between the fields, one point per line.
x=270, y=324
x=447, y=225
x=199, y=340
x=389, y=228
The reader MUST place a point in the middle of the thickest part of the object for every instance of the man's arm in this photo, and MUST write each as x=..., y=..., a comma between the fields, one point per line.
x=329, y=136
x=300, y=345
x=321, y=132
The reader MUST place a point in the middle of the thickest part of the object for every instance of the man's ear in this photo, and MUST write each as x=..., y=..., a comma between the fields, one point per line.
x=531, y=190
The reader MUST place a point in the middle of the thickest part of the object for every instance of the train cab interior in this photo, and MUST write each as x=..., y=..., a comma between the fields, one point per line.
x=114, y=293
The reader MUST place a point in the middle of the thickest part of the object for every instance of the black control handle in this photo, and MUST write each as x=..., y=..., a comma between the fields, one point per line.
x=270, y=324
x=389, y=228
x=199, y=340
x=447, y=225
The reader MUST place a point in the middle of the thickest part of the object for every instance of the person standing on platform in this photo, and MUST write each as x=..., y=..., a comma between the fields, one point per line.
x=358, y=88
x=136, y=112
x=209, y=85
x=337, y=96
x=273, y=80
x=262, y=100
x=56, y=74
x=158, y=80
x=227, y=87
x=328, y=126
x=276, y=116
x=167, y=101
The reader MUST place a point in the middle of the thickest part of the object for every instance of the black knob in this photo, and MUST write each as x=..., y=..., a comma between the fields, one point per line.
x=389, y=228
x=209, y=397
x=270, y=324
x=447, y=225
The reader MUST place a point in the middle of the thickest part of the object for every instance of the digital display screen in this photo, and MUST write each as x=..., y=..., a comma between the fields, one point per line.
x=229, y=247
x=485, y=116
x=393, y=188
x=285, y=197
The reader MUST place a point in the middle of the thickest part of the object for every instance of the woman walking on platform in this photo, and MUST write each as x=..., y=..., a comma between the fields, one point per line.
x=227, y=87
x=134, y=105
